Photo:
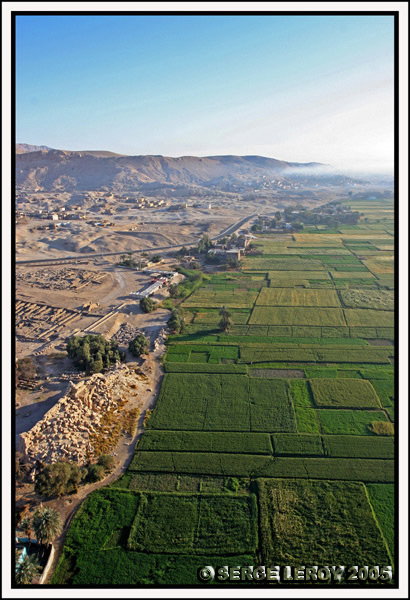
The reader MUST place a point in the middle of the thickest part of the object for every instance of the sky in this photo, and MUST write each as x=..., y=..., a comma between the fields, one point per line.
x=295, y=88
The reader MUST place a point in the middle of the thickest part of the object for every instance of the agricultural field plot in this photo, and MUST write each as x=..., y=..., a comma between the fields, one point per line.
x=381, y=496
x=380, y=265
x=231, y=298
x=296, y=275
x=213, y=318
x=319, y=523
x=181, y=367
x=362, y=317
x=356, y=274
x=194, y=523
x=256, y=354
x=302, y=336
x=317, y=239
x=343, y=393
x=297, y=316
x=294, y=403
x=295, y=263
x=291, y=444
x=301, y=394
x=171, y=482
x=297, y=297
x=204, y=402
x=97, y=550
x=201, y=353
x=358, y=446
x=385, y=391
x=254, y=465
x=289, y=283
x=352, y=422
x=189, y=441
x=380, y=299
x=306, y=420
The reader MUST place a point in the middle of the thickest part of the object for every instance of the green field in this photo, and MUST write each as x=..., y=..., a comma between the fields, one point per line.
x=293, y=444
x=381, y=496
x=193, y=523
x=96, y=549
x=301, y=393
x=359, y=446
x=258, y=465
x=269, y=443
x=205, y=441
x=297, y=297
x=311, y=522
x=343, y=393
x=297, y=316
x=353, y=422
x=297, y=275
x=204, y=402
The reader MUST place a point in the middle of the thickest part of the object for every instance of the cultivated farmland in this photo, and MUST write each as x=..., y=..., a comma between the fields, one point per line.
x=272, y=442
x=331, y=521
x=343, y=393
x=269, y=315
x=297, y=297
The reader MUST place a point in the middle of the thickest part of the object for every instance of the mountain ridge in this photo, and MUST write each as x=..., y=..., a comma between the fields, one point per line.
x=50, y=169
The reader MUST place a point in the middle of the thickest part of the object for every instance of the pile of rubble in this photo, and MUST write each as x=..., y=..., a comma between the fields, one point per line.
x=65, y=430
x=159, y=342
x=72, y=376
x=125, y=334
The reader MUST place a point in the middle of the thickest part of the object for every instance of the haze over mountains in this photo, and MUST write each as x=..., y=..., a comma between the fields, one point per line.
x=46, y=169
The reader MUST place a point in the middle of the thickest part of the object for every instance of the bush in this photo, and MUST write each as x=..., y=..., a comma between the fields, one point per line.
x=58, y=479
x=204, y=244
x=147, y=304
x=176, y=322
x=96, y=472
x=106, y=461
x=25, y=369
x=232, y=484
x=93, y=353
x=226, y=321
x=126, y=260
x=139, y=345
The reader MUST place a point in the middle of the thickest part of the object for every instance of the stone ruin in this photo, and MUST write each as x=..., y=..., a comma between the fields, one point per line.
x=64, y=431
x=125, y=334
x=159, y=342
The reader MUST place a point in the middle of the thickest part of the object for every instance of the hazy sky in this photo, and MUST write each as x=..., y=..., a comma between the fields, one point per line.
x=290, y=87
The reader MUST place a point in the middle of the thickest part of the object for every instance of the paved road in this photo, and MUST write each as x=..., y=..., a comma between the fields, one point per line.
x=70, y=259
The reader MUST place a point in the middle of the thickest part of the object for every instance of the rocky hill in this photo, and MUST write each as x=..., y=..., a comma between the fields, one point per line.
x=23, y=148
x=49, y=170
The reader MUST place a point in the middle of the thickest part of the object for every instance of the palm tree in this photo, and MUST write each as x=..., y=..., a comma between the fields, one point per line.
x=27, y=569
x=26, y=526
x=47, y=524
